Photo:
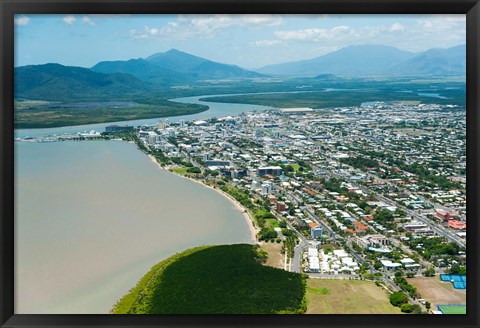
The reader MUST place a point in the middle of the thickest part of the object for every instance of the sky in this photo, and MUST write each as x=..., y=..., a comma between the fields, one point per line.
x=250, y=41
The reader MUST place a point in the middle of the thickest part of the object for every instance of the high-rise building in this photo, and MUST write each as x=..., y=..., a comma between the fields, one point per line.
x=151, y=138
x=273, y=170
x=266, y=189
x=316, y=232
x=182, y=124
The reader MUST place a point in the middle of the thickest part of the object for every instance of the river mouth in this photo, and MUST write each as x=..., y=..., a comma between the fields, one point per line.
x=215, y=110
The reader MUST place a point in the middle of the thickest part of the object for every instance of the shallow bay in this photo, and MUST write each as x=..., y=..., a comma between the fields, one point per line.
x=92, y=217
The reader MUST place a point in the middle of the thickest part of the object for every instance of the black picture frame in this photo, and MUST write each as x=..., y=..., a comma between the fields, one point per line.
x=11, y=7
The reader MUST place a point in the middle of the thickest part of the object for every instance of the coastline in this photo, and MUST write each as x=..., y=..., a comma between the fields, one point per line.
x=155, y=161
x=246, y=215
x=253, y=230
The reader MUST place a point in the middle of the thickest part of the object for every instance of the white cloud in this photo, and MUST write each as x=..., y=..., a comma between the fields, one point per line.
x=417, y=33
x=438, y=23
x=254, y=21
x=432, y=31
x=149, y=32
x=396, y=27
x=265, y=43
x=205, y=26
x=22, y=20
x=69, y=20
x=87, y=20
x=315, y=34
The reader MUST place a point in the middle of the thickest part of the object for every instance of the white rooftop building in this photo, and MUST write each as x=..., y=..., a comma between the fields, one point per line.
x=296, y=110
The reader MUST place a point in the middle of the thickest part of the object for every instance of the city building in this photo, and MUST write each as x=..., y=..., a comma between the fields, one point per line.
x=313, y=260
x=266, y=188
x=413, y=226
x=217, y=162
x=457, y=224
x=152, y=138
x=444, y=216
x=297, y=111
x=389, y=265
x=256, y=185
x=372, y=240
x=272, y=170
x=281, y=207
x=316, y=232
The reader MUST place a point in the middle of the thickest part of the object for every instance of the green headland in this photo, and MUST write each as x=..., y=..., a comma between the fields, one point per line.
x=226, y=279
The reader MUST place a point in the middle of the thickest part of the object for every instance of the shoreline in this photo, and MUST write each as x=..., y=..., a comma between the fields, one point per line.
x=248, y=218
x=253, y=230
x=246, y=215
x=154, y=160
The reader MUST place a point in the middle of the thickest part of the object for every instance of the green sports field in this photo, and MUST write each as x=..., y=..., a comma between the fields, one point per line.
x=453, y=309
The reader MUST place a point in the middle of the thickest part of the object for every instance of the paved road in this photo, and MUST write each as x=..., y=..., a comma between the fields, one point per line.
x=323, y=224
x=435, y=227
x=297, y=256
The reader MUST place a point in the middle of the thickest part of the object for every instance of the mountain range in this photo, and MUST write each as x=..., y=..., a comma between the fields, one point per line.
x=374, y=60
x=174, y=67
x=58, y=82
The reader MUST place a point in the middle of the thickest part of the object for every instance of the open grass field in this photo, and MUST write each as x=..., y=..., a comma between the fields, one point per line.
x=325, y=296
x=271, y=223
x=226, y=279
x=437, y=292
x=180, y=170
x=295, y=166
x=275, y=257
x=453, y=309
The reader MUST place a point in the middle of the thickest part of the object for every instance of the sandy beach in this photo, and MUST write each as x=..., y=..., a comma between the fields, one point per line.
x=155, y=161
x=253, y=230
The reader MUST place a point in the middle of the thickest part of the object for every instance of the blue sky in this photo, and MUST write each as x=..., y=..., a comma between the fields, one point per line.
x=250, y=41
